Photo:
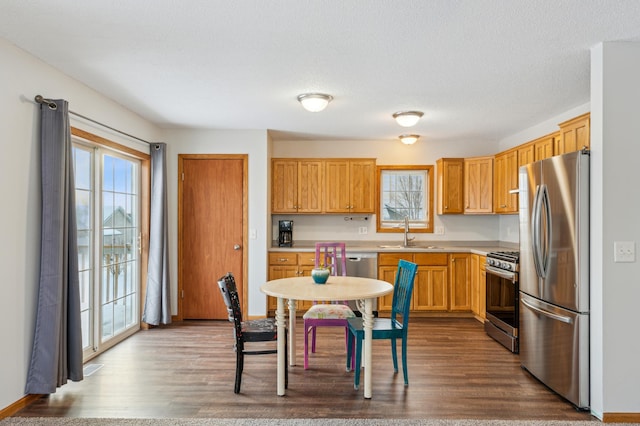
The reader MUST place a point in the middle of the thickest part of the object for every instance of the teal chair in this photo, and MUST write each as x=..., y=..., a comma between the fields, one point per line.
x=392, y=328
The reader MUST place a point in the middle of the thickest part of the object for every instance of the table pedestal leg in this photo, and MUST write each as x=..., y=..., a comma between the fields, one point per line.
x=281, y=323
x=367, y=321
x=292, y=332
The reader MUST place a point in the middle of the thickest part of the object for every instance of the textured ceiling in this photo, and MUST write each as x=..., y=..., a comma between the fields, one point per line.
x=479, y=69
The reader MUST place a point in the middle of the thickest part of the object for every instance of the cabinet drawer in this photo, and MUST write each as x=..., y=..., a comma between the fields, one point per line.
x=307, y=259
x=431, y=259
x=391, y=259
x=283, y=258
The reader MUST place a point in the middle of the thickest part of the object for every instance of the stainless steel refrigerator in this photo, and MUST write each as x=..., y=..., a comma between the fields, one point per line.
x=554, y=273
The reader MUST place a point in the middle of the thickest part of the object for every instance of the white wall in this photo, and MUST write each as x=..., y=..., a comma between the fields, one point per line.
x=252, y=142
x=21, y=78
x=615, y=208
x=387, y=152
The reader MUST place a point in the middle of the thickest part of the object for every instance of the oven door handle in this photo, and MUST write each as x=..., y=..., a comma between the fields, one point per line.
x=511, y=276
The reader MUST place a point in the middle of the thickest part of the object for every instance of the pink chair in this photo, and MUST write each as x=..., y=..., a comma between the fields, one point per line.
x=336, y=314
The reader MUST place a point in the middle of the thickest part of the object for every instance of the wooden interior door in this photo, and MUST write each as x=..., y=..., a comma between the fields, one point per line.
x=212, y=218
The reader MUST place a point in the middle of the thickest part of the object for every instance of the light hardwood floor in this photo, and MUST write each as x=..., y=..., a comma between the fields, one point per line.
x=187, y=370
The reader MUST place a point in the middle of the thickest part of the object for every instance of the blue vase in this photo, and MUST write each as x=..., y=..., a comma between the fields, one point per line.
x=320, y=275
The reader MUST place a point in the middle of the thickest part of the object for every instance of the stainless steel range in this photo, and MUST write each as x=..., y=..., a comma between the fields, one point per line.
x=502, y=298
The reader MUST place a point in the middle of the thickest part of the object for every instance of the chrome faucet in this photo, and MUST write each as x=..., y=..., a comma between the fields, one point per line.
x=406, y=232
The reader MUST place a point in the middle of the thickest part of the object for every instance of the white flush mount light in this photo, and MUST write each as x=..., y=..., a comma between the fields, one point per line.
x=407, y=118
x=314, y=102
x=409, y=139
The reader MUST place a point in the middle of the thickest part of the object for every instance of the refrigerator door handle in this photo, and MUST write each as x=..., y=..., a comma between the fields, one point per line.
x=546, y=242
x=546, y=313
x=535, y=240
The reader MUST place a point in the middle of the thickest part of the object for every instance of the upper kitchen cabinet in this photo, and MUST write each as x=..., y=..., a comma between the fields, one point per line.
x=543, y=147
x=350, y=185
x=478, y=185
x=505, y=182
x=296, y=185
x=450, y=177
x=526, y=154
x=574, y=135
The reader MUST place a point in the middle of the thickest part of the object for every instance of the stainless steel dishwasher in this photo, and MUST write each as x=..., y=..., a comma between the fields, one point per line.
x=362, y=265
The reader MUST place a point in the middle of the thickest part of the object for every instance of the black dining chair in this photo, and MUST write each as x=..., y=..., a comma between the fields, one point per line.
x=261, y=330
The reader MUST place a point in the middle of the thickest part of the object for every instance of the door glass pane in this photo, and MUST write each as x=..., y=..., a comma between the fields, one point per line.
x=120, y=203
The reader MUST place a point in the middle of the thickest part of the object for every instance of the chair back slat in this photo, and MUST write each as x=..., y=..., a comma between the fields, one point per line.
x=333, y=256
x=229, y=291
x=402, y=290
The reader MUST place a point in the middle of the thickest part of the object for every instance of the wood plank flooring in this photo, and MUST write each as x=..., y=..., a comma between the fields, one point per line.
x=186, y=370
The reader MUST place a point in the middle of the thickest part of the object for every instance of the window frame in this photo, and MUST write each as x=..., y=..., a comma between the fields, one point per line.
x=424, y=226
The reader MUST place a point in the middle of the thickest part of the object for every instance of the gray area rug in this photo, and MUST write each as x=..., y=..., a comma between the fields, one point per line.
x=66, y=421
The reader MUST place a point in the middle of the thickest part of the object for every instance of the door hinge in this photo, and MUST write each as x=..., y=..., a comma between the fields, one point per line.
x=182, y=295
x=183, y=176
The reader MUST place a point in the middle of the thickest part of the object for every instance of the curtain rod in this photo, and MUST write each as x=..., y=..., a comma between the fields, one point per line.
x=52, y=105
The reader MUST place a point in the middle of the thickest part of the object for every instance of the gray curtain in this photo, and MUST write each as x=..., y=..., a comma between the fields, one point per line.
x=157, y=304
x=57, y=343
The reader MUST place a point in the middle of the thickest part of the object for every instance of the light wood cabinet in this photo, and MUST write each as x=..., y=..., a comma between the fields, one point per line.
x=478, y=185
x=543, y=146
x=350, y=186
x=459, y=285
x=574, y=135
x=478, y=278
x=296, y=186
x=505, y=181
x=450, y=178
x=526, y=154
x=431, y=286
x=287, y=265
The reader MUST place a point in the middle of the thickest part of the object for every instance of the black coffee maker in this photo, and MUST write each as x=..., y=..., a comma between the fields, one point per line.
x=285, y=233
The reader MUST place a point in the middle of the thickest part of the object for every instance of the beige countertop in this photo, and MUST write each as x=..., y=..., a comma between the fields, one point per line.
x=476, y=247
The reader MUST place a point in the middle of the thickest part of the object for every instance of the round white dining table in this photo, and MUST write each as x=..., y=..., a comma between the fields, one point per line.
x=363, y=290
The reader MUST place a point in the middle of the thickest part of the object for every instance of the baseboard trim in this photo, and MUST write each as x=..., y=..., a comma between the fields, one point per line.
x=621, y=418
x=18, y=405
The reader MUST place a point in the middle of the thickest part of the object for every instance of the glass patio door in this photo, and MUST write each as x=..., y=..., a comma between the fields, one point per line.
x=108, y=211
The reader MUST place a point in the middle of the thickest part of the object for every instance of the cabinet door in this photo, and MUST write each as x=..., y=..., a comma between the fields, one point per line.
x=310, y=186
x=478, y=185
x=450, y=175
x=275, y=273
x=544, y=147
x=526, y=154
x=506, y=180
x=460, y=288
x=574, y=135
x=430, y=289
x=478, y=286
x=388, y=274
x=337, y=190
x=362, y=186
x=284, y=186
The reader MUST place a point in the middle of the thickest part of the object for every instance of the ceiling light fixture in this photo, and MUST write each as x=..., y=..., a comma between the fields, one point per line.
x=407, y=118
x=314, y=102
x=409, y=139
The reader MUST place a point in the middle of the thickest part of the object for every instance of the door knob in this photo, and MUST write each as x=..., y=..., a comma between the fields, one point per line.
x=236, y=247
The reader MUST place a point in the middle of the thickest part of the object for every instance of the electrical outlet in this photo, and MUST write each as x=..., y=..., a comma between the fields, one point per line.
x=439, y=230
x=362, y=230
x=624, y=251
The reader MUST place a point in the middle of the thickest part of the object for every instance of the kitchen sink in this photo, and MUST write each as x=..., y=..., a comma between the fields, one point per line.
x=400, y=246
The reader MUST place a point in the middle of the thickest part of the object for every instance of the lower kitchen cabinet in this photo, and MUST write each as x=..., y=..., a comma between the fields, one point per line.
x=431, y=291
x=459, y=286
x=478, y=276
x=287, y=265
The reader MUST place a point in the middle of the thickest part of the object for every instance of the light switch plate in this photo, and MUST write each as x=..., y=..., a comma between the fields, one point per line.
x=253, y=234
x=624, y=251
